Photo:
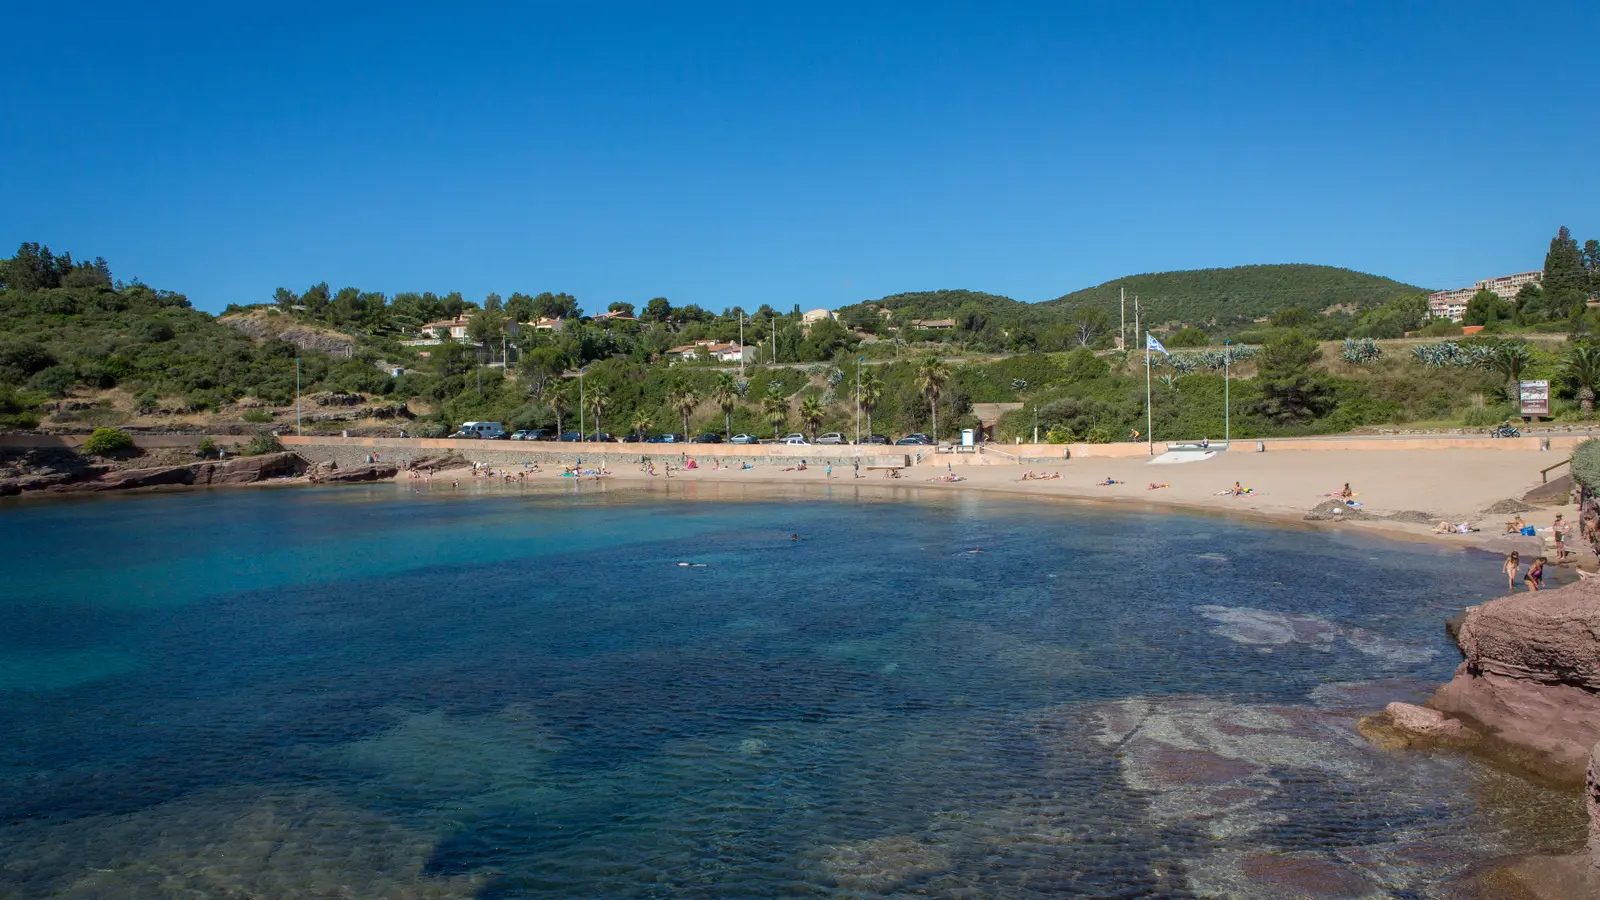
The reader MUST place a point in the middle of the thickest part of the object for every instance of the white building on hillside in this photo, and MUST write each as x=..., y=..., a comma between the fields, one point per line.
x=1452, y=304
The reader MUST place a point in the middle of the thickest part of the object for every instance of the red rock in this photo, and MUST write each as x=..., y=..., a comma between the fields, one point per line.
x=1531, y=679
x=1592, y=802
x=1423, y=721
x=1178, y=766
x=359, y=473
x=1299, y=876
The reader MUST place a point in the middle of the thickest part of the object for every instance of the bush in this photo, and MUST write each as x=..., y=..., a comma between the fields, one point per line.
x=106, y=441
x=1484, y=416
x=207, y=448
x=261, y=443
x=1059, y=434
x=257, y=416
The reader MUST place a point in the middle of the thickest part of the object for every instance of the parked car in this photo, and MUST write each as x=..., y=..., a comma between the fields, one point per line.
x=531, y=434
x=600, y=437
x=634, y=438
x=668, y=438
x=743, y=438
x=832, y=437
x=570, y=436
x=794, y=439
x=876, y=439
x=708, y=438
x=914, y=440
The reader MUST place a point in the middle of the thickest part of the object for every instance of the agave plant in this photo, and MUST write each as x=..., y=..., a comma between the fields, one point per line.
x=835, y=376
x=1360, y=351
x=1019, y=384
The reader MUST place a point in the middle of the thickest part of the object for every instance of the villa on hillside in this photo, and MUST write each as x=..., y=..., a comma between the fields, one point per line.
x=934, y=324
x=814, y=316
x=1452, y=304
x=614, y=316
x=730, y=352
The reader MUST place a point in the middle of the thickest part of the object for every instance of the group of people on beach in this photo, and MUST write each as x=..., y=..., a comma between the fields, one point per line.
x=1031, y=475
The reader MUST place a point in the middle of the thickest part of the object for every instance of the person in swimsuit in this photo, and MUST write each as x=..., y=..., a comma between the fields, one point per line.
x=1535, y=577
x=1559, y=531
x=1512, y=566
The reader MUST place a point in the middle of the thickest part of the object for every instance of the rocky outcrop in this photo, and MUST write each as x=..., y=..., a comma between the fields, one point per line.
x=241, y=470
x=1530, y=679
x=1592, y=803
x=283, y=328
x=250, y=469
x=368, y=472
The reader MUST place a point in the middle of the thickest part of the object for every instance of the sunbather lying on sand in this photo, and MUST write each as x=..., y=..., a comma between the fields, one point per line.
x=1447, y=528
x=1156, y=487
x=1109, y=481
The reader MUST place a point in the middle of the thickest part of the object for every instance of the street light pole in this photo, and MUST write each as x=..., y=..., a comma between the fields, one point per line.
x=741, y=343
x=580, y=405
x=858, y=404
x=1227, y=359
x=1036, y=424
x=297, y=430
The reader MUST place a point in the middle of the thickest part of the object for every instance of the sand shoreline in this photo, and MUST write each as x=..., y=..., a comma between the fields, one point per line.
x=1287, y=486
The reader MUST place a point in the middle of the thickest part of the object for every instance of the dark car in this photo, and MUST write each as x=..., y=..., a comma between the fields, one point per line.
x=876, y=439
x=570, y=436
x=668, y=438
x=600, y=437
x=531, y=434
x=708, y=438
x=914, y=440
x=633, y=438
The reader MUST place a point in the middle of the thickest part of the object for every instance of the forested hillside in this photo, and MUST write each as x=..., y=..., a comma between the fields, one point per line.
x=1235, y=295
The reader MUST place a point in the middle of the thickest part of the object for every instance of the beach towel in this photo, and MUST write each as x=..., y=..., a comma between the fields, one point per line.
x=1529, y=531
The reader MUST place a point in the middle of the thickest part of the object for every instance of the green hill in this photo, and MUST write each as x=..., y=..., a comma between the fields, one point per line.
x=1240, y=293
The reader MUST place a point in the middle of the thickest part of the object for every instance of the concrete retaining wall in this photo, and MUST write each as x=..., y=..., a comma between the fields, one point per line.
x=354, y=451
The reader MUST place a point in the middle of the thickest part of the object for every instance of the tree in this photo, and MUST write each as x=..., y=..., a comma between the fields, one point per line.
x=1591, y=264
x=931, y=376
x=811, y=415
x=599, y=400
x=555, y=306
x=1189, y=337
x=1486, y=308
x=1582, y=369
x=1509, y=359
x=541, y=365
x=657, y=310
x=725, y=394
x=641, y=424
x=1293, y=317
x=1529, y=303
x=1565, y=283
x=1088, y=325
x=559, y=396
x=519, y=307
x=684, y=400
x=486, y=326
x=776, y=408
x=621, y=307
x=871, y=394
x=1291, y=389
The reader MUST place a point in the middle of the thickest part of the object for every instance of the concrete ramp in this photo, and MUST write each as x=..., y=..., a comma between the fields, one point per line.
x=1173, y=457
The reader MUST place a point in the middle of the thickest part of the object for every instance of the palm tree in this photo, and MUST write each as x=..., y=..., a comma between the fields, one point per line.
x=1508, y=358
x=725, y=394
x=1582, y=368
x=599, y=398
x=559, y=396
x=641, y=424
x=871, y=394
x=684, y=399
x=776, y=408
x=932, y=374
x=811, y=413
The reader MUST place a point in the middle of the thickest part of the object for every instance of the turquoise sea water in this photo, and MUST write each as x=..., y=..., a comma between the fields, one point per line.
x=367, y=692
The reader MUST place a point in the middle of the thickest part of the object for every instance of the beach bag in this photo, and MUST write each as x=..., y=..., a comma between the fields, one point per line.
x=1528, y=531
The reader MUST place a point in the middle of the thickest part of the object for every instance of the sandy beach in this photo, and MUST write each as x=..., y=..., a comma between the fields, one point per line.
x=1454, y=485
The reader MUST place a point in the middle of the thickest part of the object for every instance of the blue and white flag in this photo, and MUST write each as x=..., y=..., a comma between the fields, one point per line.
x=1150, y=343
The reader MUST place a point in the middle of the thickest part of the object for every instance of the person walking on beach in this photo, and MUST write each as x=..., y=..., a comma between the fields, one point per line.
x=1535, y=577
x=1512, y=567
x=827, y=471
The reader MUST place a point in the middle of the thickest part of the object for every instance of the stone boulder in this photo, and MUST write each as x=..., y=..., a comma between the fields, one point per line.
x=368, y=472
x=1530, y=679
x=250, y=469
x=1592, y=802
x=128, y=479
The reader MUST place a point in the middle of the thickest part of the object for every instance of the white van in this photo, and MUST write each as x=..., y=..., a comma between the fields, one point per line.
x=489, y=430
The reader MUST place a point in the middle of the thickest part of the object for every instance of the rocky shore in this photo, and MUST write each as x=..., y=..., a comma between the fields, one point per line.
x=1526, y=696
x=68, y=474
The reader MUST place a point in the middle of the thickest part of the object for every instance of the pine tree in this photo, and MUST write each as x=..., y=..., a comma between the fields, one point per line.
x=1565, y=281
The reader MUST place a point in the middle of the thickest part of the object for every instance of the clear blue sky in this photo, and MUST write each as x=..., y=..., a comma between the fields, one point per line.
x=813, y=153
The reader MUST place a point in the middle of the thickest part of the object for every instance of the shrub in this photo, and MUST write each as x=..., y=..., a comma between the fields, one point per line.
x=207, y=447
x=261, y=443
x=1484, y=416
x=1059, y=434
x=1586, y=464
x=257, y=416
x=105, y=441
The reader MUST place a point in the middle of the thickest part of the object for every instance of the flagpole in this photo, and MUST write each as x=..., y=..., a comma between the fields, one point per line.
x=1149, y=417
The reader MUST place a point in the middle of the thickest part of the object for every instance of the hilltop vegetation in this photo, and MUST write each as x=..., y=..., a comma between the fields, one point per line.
x=1236, y=295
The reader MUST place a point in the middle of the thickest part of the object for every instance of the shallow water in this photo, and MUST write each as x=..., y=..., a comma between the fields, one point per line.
x=368, y=692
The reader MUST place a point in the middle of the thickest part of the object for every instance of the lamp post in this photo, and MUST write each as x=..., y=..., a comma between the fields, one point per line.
x=1036, y=424
x=580, y=405
x=741, y=343
x=297, y=430
x=1227, y=359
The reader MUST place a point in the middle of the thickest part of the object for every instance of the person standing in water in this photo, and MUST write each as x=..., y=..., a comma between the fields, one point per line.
x=1535, y=577
x=1512, y=567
